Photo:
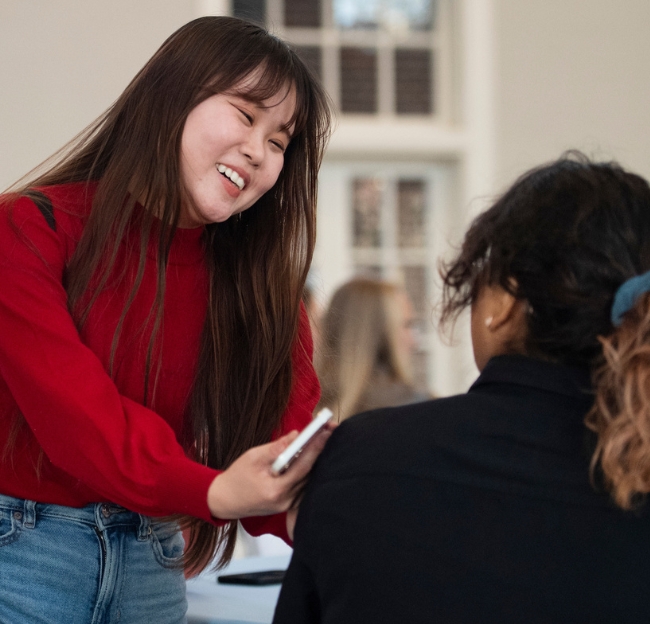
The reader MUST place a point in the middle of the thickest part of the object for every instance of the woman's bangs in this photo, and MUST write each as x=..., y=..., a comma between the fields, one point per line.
x=280, y=76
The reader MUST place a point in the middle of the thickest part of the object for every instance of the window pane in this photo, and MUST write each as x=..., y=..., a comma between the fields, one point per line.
x=312, y=57
x=252, y=10
x=413, y=82
x=356, y=13
x=366, y=205
x=358, y=80
x=389, y=14
x=411, y=213
x=305, y=13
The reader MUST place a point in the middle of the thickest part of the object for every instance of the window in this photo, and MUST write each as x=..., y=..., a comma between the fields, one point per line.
x=389, y=14
x=413, y=81
x=373, y=56
x=253, y=10
x=358, y=80
x=389, y=240
x=385, y=220
x=302, y=13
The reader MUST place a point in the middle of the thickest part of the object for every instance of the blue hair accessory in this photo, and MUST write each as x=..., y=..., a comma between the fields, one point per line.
x=627, y=294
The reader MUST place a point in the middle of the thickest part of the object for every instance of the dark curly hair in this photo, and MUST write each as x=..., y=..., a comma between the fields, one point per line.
x=564, y=237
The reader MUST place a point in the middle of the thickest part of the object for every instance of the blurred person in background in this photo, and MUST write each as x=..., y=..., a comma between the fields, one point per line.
x=523, y=500
x=366, y=347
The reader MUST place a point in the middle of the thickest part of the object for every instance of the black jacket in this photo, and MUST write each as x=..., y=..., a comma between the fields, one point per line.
x=474, y=508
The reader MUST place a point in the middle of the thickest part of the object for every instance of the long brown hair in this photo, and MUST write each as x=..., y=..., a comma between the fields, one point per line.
x=359, y=336
x=564, y=238
x=257, y=260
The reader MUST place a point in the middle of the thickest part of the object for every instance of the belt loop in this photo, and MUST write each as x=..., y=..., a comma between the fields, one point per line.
x=29, y=520
x=144, y=531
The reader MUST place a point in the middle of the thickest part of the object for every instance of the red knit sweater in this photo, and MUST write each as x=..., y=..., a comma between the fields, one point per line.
x=100, y=443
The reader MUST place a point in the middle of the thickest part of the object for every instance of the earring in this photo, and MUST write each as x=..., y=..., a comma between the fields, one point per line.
x=488, y=321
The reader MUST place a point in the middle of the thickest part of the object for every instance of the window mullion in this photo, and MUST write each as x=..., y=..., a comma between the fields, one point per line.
x=390, y=256
x=386, y=77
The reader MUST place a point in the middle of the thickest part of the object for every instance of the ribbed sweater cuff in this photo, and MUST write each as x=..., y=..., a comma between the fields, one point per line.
x=187, y=483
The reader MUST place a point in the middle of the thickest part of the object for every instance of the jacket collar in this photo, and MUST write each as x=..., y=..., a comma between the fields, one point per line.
x=527, y=371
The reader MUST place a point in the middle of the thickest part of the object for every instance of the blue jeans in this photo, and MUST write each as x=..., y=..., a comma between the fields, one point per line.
x=98, y=564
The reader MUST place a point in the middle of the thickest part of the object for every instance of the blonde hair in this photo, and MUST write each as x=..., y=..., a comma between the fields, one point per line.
x=621, y=413
x=360, y=335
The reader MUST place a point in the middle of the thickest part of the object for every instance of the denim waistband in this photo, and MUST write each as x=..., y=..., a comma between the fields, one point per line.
x=101, y=515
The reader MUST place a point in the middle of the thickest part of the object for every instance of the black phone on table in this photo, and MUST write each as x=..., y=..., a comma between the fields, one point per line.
x=262, y=577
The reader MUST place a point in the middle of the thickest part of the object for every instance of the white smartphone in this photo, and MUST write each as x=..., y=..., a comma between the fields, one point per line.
x=294, y=449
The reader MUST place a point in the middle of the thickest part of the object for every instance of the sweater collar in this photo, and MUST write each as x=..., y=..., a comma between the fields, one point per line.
x=187, y=246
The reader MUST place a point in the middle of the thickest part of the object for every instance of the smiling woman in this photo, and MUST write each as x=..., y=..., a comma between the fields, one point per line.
x=155, y=356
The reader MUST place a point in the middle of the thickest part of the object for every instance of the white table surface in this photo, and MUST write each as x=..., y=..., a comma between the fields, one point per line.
x=210, y=602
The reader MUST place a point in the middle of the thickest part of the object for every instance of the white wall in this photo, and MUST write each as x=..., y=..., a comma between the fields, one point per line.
x=572, y=73
x=63, y=62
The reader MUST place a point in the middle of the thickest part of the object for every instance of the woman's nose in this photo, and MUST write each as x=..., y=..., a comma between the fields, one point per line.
x=253, y=148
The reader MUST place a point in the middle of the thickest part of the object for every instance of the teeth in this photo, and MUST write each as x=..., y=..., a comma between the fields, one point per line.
x=231, y=175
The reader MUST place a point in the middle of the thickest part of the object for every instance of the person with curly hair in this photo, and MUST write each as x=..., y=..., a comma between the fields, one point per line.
x=522, y=500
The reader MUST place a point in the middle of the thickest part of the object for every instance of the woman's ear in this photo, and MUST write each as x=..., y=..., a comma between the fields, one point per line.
x=498, y=324
x=503, y=307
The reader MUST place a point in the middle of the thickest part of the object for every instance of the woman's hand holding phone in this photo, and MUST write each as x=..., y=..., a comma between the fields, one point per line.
x=250, y=487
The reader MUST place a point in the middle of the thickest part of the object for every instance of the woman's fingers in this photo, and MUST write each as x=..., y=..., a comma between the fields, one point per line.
x=249, y=488
x=304, y=462
x=277, y=446
x=302, y=465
